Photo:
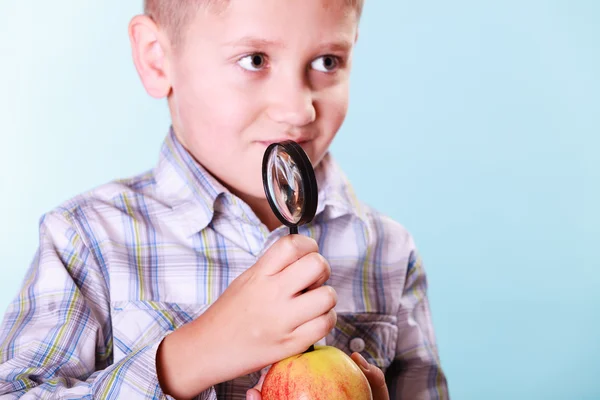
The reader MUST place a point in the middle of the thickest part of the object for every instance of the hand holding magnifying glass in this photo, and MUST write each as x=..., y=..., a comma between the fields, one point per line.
x=290, y=185
x=291, y=189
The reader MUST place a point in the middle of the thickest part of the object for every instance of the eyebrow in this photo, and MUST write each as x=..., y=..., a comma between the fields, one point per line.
x=256, y=42
x=252, y=41
x=342, y=46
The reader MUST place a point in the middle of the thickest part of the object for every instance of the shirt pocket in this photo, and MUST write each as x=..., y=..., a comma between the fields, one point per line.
x=137, y=324
x=373, y=335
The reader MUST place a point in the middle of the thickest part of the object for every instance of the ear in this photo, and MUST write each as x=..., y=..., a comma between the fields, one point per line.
x=148, y=47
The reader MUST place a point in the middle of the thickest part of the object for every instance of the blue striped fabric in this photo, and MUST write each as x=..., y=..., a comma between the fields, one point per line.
x=122, y=266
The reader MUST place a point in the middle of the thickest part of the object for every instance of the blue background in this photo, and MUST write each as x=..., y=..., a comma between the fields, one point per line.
x=475, y=124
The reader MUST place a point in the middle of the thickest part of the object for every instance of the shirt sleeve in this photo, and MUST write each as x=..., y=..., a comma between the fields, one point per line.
x=416, y=373
x=56, y=336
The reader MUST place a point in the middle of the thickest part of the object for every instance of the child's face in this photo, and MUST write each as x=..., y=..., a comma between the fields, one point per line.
x=261, y=71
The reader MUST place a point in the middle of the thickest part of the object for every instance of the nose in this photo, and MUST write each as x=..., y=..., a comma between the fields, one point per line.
x=292, y=104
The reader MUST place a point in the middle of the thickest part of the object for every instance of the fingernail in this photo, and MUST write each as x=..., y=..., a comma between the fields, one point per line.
x=363, y=363
x=249, y=395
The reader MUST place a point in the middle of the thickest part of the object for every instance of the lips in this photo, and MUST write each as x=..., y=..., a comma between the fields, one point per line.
x=269, y=142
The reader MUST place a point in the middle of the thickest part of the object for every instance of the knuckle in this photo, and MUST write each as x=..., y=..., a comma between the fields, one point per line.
x=300, y=245
x=331, y=296
x=323, y=327
x=322, y=264
x=288, y=345
x=305, y=244
x=291, y=245
x=325, y=324
x=311, y=243
x=331, y=320
x=376, y=377
x=256, y=333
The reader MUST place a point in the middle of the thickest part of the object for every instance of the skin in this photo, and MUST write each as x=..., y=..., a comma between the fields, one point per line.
x=255, y=72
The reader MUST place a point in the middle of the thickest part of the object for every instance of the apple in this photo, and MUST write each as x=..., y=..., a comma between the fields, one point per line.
x=325, y=373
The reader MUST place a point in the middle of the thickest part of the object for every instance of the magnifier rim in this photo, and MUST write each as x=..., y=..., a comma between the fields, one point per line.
x=307, y=174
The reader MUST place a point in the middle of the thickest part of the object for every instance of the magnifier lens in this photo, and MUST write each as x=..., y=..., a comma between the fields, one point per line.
x=290, y=184
x=285, y=185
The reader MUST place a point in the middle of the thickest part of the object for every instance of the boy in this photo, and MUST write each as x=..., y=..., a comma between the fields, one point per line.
x=181, y=282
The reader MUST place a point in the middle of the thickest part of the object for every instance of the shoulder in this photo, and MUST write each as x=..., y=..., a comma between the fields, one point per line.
x=389, y=236
x=384, y=227
x=103, y=205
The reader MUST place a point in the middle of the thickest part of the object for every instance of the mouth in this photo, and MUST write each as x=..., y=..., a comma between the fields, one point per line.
x=267, y=143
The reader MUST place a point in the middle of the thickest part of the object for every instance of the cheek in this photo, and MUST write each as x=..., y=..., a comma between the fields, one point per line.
x=332, y=112
x=332, y=109
x=215, y=104
x=217, y=108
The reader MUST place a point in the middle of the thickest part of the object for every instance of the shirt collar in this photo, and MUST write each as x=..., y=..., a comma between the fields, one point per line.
x=186, y=186
x=337, y=197
x=192, y=192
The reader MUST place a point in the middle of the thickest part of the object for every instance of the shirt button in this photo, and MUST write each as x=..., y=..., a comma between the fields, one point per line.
x=357, y=345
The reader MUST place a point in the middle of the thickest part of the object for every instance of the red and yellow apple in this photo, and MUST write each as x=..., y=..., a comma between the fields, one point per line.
x=325, y=373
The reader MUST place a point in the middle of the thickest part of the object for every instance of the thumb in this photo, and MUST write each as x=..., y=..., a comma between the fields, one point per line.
x=259, y=384
x=284, y=252
x=254, y=393
x=375, y=377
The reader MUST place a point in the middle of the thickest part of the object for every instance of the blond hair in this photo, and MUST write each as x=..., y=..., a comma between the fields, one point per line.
x=174, y=15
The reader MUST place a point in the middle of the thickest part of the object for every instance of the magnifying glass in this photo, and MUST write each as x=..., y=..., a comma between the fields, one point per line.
x=290, y=184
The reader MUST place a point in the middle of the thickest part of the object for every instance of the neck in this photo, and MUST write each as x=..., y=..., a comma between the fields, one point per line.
x=261, y=208
x=263, y=211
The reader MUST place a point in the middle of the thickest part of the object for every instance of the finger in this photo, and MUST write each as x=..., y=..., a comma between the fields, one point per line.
x=314, y=330
x=312, y=304
x=259, y=384
x=375, y=377
x=311, y=271
x=253, y=394
x=320, y=282
x=286, y=251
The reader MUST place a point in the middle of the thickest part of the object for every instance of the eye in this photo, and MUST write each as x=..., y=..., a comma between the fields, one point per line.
x=253, y=62
x=325, y=63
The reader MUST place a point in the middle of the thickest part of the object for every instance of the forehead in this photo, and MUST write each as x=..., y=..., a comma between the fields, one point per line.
x=286, y=22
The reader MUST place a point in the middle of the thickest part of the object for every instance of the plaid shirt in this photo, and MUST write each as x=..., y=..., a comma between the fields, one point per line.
x=122, y=266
